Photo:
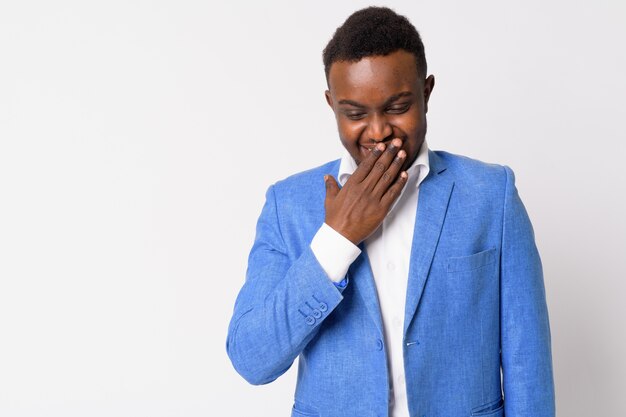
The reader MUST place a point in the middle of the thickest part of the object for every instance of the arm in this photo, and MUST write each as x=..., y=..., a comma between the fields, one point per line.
x=280, y=307
x=524, y=326
x=283, y=301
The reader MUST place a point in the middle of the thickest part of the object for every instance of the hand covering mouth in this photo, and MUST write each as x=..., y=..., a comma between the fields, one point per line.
x=386, y=143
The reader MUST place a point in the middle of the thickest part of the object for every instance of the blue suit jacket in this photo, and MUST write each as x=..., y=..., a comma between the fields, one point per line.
x=475, y=304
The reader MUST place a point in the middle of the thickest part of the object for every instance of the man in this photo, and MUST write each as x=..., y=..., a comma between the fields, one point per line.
x=410, y=288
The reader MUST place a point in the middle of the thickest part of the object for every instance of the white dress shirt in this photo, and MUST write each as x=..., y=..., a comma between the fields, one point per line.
x=388, y=250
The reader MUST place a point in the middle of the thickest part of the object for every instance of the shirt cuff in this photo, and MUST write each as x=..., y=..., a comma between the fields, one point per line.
x=334, y=252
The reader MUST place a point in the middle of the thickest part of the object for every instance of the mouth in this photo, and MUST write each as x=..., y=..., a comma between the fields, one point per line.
x=365, y=151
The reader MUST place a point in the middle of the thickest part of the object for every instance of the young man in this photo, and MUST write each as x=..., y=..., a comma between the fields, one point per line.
x=410, y=288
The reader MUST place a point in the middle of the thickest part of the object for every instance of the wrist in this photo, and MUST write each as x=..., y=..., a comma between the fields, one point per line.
x=343, y=231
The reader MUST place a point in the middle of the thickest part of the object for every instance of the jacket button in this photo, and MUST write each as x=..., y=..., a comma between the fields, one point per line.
x=323, y=307
x=379, y=344
x=310, y=320
x=317, y=314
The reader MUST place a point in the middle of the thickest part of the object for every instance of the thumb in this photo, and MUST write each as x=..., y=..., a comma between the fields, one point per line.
x=332, y=188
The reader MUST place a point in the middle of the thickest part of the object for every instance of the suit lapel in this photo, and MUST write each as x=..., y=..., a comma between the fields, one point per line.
x=434, y=195
x=361, y=276
x=364, y=284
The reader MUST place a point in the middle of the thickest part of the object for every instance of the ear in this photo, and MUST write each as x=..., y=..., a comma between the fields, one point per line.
x=329, y=99
x=429, y=85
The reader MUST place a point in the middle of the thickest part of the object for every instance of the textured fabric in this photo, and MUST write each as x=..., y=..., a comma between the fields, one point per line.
x=475, y=302
x=388, y=251
x=334, y=252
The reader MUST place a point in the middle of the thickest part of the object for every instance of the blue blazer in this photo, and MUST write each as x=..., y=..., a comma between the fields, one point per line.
x=476, y=330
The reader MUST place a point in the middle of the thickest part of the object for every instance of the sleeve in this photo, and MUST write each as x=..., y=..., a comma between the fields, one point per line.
x=526, y=356
x=334, y=252
x=281, y=305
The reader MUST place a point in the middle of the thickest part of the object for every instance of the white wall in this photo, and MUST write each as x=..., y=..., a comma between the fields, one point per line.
x=137, y=140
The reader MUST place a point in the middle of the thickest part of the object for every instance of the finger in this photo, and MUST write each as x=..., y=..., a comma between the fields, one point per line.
x=366, y=165
x=394, y=191
x=389, y=176
x=382, y=164
x=332, y=188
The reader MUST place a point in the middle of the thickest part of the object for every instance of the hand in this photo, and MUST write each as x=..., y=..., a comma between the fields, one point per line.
x=357, y=209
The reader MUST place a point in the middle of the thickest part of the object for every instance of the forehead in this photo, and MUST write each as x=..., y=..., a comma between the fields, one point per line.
x=374, y=77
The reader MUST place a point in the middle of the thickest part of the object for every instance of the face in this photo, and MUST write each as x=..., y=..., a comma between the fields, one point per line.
x=377, y=99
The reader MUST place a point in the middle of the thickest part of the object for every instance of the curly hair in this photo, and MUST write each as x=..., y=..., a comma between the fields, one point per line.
x=374, y=31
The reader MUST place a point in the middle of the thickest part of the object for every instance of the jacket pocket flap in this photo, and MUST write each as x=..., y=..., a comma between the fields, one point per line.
x=470, y=262
x=492, y=409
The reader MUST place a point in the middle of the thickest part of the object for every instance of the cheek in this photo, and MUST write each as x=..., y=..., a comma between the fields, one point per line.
x=414, y=126
x=349, y=133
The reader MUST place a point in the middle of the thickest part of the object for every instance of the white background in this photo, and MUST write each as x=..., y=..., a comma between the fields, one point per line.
x=137, y=140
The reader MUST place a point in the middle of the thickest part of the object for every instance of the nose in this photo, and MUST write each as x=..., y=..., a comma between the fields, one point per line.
x=379, y=129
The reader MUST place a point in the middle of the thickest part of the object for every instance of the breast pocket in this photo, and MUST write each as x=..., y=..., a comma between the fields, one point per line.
x=471, y=262
x=471, y=288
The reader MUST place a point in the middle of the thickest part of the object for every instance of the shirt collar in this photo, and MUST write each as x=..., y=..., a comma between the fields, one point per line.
x=417, y=171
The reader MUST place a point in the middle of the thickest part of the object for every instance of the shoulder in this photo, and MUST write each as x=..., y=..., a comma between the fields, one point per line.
x=305, y=185
x=298, y=201
x=461, y=164
x=474, y=180
x=470, y=172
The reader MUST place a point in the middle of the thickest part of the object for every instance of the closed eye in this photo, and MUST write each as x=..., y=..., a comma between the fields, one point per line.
x=355, y=115
x=399, y=108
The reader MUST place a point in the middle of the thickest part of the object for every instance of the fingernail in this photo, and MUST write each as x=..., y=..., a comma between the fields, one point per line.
x=396, y=142
x=401, y=154
x=380, y=147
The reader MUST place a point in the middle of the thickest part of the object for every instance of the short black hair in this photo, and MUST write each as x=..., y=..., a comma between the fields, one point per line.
x=374, y=31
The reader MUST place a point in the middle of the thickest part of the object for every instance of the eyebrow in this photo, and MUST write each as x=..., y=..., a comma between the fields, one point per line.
x=387, y=102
